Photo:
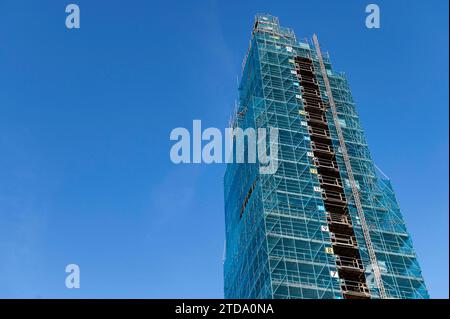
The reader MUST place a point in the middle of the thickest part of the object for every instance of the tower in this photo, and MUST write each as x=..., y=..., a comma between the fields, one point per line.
x=326, y=224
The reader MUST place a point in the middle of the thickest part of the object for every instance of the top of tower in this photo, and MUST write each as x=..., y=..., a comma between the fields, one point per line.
x=270, y=24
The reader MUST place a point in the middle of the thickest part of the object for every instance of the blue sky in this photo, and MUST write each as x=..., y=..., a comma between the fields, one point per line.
x=85, y=118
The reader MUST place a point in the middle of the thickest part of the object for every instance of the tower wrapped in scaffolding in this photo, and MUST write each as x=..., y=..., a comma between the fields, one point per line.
x=326, y=224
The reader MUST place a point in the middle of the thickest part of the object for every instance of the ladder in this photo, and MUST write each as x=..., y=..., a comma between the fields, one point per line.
x=370, y=249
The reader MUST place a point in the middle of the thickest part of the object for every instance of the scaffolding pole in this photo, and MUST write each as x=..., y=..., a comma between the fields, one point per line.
x=370, y=249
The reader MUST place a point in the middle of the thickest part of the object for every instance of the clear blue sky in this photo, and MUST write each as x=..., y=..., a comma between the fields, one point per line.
x=85, y=117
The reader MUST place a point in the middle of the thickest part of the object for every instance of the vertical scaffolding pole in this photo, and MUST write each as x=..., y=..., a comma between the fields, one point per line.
x=370, y=249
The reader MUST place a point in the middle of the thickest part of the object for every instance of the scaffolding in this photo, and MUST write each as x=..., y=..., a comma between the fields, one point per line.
x=326, y=224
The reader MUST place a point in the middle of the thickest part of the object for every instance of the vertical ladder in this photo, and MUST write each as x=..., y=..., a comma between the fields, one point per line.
x=373, y=258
